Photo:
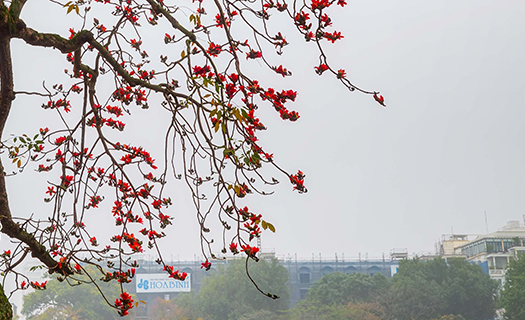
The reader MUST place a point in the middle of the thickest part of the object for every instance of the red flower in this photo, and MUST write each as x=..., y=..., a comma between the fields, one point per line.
x=219, y=20
x=214, y=49
x=321, y=68
x=50, y=190
x=320, y=4
x=333, y=36
x=380, y=100
x=230, y=90
x=206, y=265
x=253, y=54
x=77, y=268
x=23, y=284
x=282, y=71
x=233, y=248
x=93, y=241
x=250, y=251
x=201, y=71
x=60, y=140
x=39, y=286
x=44, y=131
x=341, y=74
x=124, y=304
x=66, y=180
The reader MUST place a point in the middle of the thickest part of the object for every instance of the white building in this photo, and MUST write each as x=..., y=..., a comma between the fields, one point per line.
x=494, y=250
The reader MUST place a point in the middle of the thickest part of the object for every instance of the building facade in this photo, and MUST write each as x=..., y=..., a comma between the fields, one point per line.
x=493, y=251
x=302, y=274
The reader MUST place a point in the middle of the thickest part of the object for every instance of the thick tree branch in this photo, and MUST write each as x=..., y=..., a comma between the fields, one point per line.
x=9, y=227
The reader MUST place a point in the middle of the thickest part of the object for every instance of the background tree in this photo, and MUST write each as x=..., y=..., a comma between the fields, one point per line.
x=211, y=126
x=75, y=300
x=314, y=310
x=161, y=309
x=340, y=288
x=230, y=294
x=513, y=295
x=430, y=289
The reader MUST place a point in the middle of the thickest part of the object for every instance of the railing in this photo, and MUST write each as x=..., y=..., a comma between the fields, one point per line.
x=496, y=271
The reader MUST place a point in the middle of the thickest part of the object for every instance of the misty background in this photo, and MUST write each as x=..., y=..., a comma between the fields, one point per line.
x=448, y=147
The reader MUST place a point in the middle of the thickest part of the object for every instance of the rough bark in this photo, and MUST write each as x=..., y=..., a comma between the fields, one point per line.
x=6, y=311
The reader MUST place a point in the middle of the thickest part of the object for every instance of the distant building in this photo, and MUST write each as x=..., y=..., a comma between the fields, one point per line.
x=151, y=282
x=450, y=245
x=493, y=251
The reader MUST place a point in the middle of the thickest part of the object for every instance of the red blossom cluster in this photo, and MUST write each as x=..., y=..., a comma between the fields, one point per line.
x=134, y=153
x=333, y=36
x=201, y=71
x=214, y=49
x=250, y=251
x=124, y=304
x=175, y=274
x=233, y=248
x=210, y=89
x=38, y=286
x=279, y=99
x=206, y=265
x=60, y=103
x=93, y=241
x=221, y=20
x=134, y=243
x=321, y=68
x=252, y=54
x=121, y=277
x=127, y=94
x=298, y=181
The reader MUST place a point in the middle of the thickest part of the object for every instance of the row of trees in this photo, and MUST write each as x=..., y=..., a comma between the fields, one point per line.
x=421, y=290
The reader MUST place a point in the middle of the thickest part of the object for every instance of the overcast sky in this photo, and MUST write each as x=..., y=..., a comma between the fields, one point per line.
x=449, y=146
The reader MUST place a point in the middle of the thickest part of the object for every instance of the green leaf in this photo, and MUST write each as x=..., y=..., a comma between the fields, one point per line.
x=23, y=140
x=70, y=8
x=264, y=224
x=271, y=227
x=217, y=125
x=213, y=112
x=237, y=115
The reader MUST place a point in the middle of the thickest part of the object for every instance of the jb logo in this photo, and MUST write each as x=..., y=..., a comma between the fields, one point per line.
x=143, y=283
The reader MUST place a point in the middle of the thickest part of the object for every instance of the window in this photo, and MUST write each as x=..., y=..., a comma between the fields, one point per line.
x=304, y=278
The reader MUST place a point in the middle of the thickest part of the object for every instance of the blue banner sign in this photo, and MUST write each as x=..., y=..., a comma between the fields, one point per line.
x=159, y=282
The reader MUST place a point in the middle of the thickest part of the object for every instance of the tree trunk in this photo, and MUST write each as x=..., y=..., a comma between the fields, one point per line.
x=6, y=311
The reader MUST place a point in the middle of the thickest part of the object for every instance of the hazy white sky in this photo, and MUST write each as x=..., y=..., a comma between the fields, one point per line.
x=449, y=146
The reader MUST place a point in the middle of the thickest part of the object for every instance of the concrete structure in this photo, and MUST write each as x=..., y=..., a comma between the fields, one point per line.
x=450, y=245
